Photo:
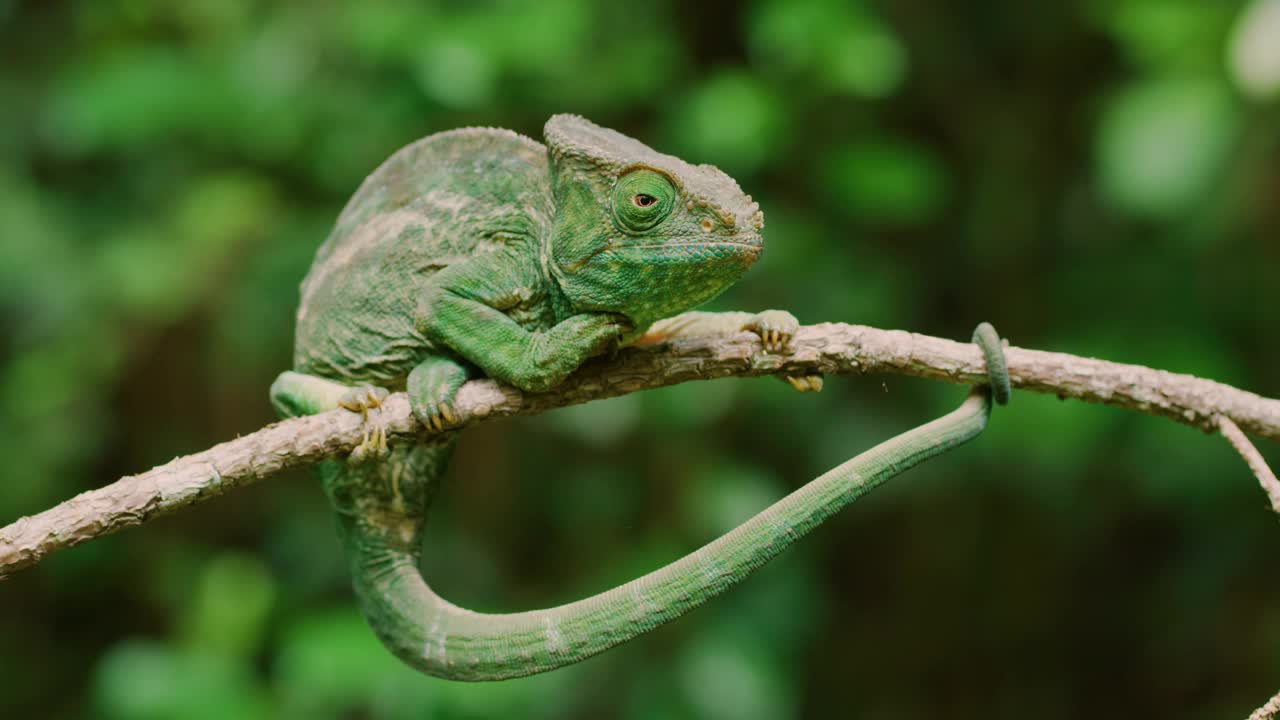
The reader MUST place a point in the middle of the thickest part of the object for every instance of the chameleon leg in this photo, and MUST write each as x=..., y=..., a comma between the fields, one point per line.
x=439, y=638
x=295, y=393
x=775, y=328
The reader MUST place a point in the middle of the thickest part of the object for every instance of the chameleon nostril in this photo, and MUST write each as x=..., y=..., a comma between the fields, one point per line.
x=707, y=224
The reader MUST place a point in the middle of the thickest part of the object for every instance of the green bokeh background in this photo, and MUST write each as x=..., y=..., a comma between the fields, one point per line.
x=1097, y=177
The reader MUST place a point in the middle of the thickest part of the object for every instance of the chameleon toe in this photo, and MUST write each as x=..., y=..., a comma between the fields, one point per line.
x=775, y=328
x=805, y=383
x=367, y=400
x=363, y=398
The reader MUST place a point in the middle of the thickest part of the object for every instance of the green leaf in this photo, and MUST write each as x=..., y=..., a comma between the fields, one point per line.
x=1161, y=145
x=1167, y=34
x=1254, y=52
x=139, y=680
x=229, y=609
x=841, y=45
x=456, y=75
x=886, y=180
x=732, y=120
x=733, y=676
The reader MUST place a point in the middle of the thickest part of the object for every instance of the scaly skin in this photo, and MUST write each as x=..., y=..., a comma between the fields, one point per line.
x=441, y=639
x=480, y=252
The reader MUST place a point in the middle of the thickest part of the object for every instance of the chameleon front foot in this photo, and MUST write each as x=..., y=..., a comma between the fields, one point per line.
x=432, y=386
x=362, y=399
x=805, y=383
x=776, y=328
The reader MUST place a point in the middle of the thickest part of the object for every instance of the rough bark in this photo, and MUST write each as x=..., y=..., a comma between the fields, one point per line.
x=1252, y=458
x=828, y=348
x=1268, y=711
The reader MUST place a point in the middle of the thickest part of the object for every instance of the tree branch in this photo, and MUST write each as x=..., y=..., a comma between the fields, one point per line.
x=828, y=348
x=1268, y=711
x=1271, y=486
x=1252, y=458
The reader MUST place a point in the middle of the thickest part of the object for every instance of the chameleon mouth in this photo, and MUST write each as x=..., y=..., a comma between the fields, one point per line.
x=694, y=243
x=744, y=242
x=741, y=249
x=709, y=251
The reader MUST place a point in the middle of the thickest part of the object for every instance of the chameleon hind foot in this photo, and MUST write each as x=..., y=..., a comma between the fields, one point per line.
x=362, y=399
x=805, y=383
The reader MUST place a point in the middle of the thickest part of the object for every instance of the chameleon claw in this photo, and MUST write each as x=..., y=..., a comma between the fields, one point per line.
x=373, y=445
x=438, y=417
x=362, y=399
x=805, y=383
x=775, y=328
x=431, y=387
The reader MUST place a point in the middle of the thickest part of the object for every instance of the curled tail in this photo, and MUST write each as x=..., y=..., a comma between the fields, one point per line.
x=383, y=508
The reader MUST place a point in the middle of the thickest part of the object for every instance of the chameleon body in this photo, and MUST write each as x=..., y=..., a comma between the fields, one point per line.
x=480, y=252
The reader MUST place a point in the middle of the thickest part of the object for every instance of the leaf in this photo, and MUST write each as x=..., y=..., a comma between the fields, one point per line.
x=886, y=180
x=139, y=680
x=1254, y=52
x=732, y=120
x=1161, y=145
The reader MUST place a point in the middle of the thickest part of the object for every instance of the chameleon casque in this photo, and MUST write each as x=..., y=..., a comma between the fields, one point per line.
x=480, y=252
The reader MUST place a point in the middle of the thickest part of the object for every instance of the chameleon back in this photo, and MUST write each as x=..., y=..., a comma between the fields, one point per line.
x=440, y=200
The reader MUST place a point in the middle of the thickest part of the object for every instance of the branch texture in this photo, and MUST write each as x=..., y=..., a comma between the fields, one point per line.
x=1268, y=711
x=1252, y=458
x=830, y=348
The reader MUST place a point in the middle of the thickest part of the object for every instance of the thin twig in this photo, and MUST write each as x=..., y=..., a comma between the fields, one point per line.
x=1253, y=459
x=1268, y=711
x=828, y=348
x=1271, y=487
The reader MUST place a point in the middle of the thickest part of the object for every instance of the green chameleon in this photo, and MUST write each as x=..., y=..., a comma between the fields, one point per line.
x=480, y=252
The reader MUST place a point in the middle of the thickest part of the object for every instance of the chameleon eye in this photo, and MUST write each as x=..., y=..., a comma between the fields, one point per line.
x=642, y=199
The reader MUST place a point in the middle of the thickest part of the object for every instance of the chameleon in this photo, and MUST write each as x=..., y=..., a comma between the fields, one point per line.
x=479, y=252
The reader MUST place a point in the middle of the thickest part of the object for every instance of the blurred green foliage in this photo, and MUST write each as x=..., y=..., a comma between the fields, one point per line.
x=1098, y=177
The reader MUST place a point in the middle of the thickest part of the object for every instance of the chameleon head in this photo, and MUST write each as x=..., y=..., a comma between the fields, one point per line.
x=641, y=233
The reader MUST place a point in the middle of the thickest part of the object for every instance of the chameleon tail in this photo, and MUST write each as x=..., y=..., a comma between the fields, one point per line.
x=441, y=639
x=383, y=526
